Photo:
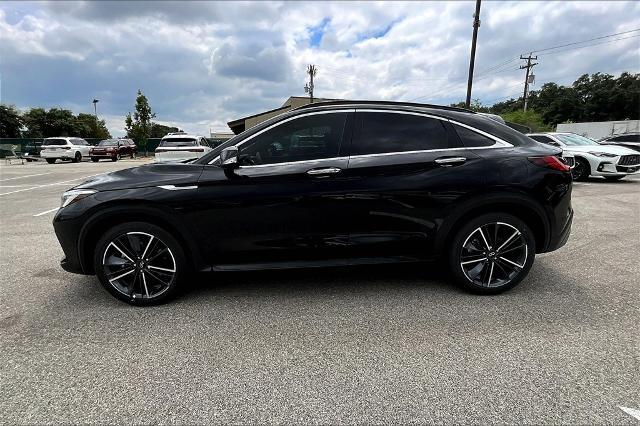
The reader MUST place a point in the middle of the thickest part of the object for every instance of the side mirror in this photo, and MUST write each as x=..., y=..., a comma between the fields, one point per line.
x=229, y=157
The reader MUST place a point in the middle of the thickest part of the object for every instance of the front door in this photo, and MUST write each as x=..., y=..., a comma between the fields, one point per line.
x=283, y=204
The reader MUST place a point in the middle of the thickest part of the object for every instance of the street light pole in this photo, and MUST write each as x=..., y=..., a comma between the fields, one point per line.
x=472, y=60
x=95, y=107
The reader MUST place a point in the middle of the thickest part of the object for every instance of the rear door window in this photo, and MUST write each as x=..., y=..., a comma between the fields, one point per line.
x=178, y=142
x=55, y=142
x=392, y=132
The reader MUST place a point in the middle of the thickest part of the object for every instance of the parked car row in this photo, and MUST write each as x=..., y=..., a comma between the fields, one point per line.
x=174, y=147
x=611, y=161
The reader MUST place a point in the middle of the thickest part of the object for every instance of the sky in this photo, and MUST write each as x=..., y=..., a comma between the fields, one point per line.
x=202, y=64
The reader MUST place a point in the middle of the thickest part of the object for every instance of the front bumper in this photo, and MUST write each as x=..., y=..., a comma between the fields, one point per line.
x=67, y=234
x=103, y=155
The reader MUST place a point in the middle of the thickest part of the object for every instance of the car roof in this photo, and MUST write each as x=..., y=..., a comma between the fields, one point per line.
x=182, y=135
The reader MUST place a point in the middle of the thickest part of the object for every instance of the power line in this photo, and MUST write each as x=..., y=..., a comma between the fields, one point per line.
x=584, y=41
x=589, y=45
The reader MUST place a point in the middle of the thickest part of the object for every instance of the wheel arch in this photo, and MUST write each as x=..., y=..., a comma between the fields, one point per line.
x=106, y=218
x=520, y=206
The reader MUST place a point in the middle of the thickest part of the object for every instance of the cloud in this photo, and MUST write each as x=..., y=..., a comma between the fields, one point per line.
x=202, y=64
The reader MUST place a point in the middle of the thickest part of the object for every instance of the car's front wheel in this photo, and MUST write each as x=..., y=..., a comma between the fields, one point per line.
x=140, y=263
x=581, y=170
x=77, y=158
x=492, y=253
x=51, y=160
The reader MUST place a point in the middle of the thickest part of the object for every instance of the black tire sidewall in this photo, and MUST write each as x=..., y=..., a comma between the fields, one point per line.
x=156, y=231
x=51, y=160
x=586, y=169
x=455, y=249
x=77, y=157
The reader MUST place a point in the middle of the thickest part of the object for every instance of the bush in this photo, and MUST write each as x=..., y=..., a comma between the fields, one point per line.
x=528, y=118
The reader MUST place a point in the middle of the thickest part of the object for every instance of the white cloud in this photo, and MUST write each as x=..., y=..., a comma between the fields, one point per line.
x=204, y=63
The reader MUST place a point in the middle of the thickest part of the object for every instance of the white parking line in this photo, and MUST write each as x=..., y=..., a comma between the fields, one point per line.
x=22, y=177
x=631, y=411
x=45, y=212
x=49, y=184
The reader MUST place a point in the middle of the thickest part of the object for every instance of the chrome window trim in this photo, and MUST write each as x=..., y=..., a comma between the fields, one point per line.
x=286, y=120
x=288, y=163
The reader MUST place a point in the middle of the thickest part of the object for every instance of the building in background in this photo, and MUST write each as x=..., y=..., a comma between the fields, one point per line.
x=600, y=129
x=242, y=124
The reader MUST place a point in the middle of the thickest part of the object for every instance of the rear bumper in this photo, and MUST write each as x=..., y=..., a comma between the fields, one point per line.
x=560, y=239
x=68, y=154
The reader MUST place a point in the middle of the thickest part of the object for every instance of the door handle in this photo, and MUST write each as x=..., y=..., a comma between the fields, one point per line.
x=450, y=161
x=325, y=171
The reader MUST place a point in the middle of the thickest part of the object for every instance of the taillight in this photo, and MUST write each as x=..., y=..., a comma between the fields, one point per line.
x=66, y=147
x=551, y=162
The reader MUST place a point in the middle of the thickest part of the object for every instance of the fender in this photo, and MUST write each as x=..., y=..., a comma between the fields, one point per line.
x=155, y=214
x=484, y=202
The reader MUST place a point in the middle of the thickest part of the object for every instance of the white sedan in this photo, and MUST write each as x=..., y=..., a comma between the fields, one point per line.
x=592, y=159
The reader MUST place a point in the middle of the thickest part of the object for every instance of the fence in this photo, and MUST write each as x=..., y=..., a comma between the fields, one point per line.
x=32, y=146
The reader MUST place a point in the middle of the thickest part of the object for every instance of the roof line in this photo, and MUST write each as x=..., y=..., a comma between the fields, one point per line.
x=390, y=103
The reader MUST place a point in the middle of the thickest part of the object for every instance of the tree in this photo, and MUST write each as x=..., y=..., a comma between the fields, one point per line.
x=10, y=122
x=529, y=118
x=35, y=121
x=476, y=106
x=88, y=126
x=160, y=130
x=139, y=126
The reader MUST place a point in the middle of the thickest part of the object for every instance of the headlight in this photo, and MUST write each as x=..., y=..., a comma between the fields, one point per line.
x=602, y=154
x=75, y=195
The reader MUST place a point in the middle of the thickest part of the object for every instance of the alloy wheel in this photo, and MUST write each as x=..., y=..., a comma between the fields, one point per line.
x=139, y=265
x=493, y=254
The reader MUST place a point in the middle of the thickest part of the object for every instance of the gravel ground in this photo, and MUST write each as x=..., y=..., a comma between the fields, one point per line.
x=360, y=345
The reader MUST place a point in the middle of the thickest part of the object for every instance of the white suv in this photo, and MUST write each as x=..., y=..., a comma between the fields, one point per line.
x=64, y=148
x=181, y=146
x=592, y=159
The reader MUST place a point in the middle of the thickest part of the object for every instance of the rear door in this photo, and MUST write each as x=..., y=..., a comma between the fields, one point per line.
x=405, y=170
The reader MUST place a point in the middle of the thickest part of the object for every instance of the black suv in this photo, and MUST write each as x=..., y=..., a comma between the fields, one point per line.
x=335, y=183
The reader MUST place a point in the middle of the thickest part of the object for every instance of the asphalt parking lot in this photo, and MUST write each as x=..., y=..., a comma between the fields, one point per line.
x=363, y=345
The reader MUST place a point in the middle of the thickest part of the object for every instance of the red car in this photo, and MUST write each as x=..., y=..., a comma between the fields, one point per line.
x=113, y=149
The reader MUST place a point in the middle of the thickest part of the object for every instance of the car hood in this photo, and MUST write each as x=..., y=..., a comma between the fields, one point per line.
x=145, y=176
x=609, y=149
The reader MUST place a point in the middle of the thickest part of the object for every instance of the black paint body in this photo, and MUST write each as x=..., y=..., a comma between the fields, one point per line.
x=383, y=208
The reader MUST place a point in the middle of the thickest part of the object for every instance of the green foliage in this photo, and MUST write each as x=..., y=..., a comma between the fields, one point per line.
x=599, y=97
x=160, y=130
x=10, y=122
x=476, y=106
x=139, y=125
x=529, y=118
x=40, y=123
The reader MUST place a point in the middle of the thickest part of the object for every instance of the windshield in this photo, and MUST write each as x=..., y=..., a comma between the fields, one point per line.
x=173, y=142
x=576, y=140
x=108, y=142
x=54, y=142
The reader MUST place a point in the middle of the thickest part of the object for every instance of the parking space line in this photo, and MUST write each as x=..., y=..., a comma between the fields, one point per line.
x=45, y=212
x=631, y=411
x=49, y=184
x=22, y=177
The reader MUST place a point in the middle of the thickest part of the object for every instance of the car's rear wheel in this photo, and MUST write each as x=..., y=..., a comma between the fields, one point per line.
x=492, y=253
x=613, y=178
x=139, y=263
x=77, y=158
x=51, y=160
x=581, y=170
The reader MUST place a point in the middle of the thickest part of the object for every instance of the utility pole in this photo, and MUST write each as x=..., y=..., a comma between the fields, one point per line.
x=472, y=60
x=95, y=107
x=526, y=78
x=308, y=88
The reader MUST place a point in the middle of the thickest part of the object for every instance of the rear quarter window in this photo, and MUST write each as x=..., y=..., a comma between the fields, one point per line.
x=472, y=139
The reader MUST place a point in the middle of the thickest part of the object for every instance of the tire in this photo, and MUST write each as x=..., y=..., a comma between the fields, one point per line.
x=115, y=158
x=144, y=283
x=77, y=158
x=582, y=170
x=613, y=178
x=95, y=160
x=51, y=160
x=491, y=271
